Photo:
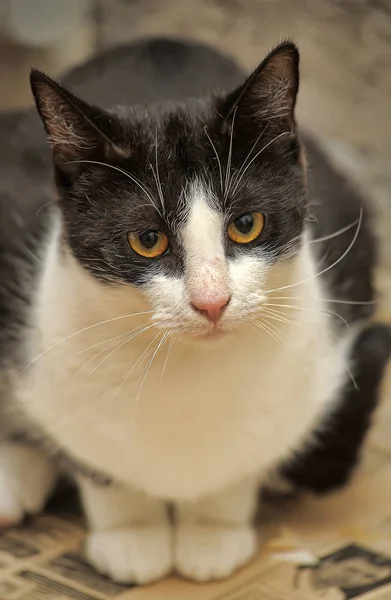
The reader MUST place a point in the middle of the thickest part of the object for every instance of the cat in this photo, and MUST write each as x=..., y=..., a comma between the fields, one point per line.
x=197, y=326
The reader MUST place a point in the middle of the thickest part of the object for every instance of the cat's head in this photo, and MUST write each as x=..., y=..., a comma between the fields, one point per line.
x=196, y=204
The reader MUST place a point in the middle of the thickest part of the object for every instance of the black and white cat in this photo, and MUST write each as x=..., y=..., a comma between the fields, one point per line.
x=196, y=327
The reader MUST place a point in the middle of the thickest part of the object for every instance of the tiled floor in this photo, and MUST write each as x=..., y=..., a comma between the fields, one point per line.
x=345, y=88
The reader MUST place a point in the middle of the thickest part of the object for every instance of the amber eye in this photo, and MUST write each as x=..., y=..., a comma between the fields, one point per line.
x=246, y=228
x=149, y=243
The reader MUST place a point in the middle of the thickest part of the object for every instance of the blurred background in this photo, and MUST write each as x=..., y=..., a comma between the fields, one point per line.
x=345, y=93
x=345, y=45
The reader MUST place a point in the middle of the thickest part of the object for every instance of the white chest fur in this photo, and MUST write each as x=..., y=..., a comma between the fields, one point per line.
x=214, y=416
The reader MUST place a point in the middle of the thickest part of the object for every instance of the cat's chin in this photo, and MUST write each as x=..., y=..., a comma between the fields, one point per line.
x=215, y=335
x=210, y=338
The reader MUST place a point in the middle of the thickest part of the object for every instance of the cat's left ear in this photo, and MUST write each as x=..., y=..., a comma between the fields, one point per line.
x=268, y=96
x=77, y=131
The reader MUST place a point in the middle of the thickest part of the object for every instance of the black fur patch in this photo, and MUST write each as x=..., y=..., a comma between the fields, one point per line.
x=336, y=204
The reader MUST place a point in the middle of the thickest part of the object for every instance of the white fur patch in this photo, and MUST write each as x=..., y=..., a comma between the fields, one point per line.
x=207, y=275
x=26, y=480
x=138, y=555
x=208, y=551
x=228, y=409
x=131, y=539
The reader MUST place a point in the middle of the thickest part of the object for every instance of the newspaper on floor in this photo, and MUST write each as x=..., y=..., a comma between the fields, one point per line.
x=332, y=548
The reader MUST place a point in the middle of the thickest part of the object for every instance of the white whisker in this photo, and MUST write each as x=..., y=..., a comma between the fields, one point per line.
x=229, y=160
x=147, y=371
x=238, y=179
x=352, y=379
x=134, y=179
x=334, y=264
x=167, y=357
x=242, y=166
x=335, y=234
x=128, y=336
x=120, y=346
x=140, y=359
x=116, y=337
x=262, y=327
x=268, y=329
x=332, y=300
x=68, y=337
x=116, y=343
x=278, y=316
x=277, y=332
x=156, y=175
x=326, y=312
x=351, y=302
x=217, y=157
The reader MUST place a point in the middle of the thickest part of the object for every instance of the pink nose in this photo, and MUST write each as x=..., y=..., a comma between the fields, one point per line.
x=211, y=310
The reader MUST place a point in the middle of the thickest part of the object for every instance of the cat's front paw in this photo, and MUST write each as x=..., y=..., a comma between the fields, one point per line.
x=26, y=479
x=132, y=555
x=205, y=551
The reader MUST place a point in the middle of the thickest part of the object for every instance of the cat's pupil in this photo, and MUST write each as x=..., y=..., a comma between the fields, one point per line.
x=149, y=239
x=244, y=224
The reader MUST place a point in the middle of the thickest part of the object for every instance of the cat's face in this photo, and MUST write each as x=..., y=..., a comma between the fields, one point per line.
x=196, y=205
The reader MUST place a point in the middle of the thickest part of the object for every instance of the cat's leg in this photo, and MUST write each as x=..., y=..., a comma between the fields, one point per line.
x=215, y=535
x=27, y=477
x=131, y=534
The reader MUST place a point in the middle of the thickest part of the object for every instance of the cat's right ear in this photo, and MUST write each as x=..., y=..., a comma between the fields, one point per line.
x=78, y=132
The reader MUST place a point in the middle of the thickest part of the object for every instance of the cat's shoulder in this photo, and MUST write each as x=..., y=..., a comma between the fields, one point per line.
x=343, y=237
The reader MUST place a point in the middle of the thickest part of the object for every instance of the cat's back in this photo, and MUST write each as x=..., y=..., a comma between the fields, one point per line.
x=152, y=71
x=149, y=71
